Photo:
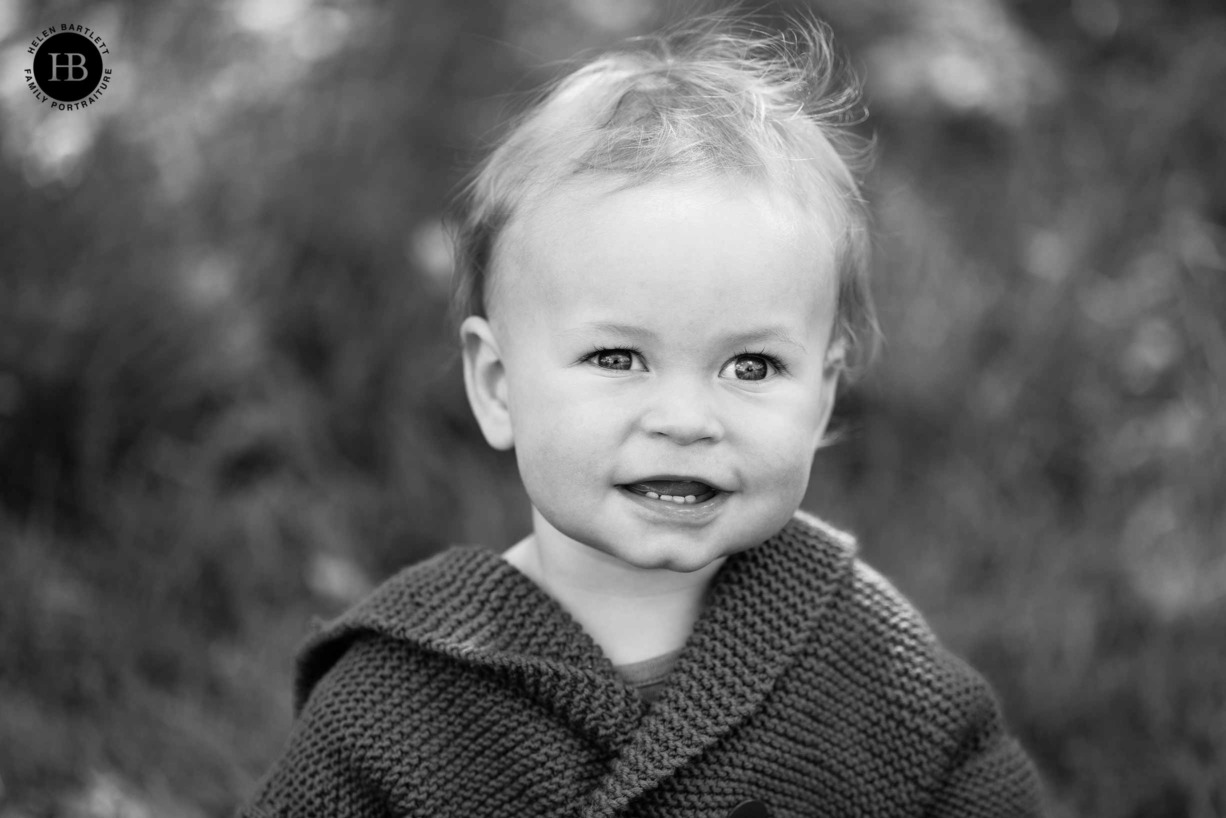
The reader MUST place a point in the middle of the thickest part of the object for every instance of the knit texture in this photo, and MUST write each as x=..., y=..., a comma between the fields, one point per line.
x=460, y=688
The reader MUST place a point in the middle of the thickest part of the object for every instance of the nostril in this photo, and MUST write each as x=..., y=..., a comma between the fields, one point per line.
x=683, y=422
x=687, y=433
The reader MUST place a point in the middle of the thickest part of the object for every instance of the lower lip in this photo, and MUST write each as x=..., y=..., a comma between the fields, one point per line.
x=679, y=512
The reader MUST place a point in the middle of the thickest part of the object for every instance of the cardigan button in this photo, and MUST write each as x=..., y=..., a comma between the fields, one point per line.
x=750, y=809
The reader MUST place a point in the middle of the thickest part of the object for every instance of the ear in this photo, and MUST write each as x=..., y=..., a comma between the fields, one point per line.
x=485, y=381
x=835, y=363
x=833, y=366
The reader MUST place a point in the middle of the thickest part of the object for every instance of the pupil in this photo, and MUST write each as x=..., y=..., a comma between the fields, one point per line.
x=750, y=368
x=614, y=360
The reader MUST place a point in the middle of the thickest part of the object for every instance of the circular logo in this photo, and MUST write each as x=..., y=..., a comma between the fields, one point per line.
x=67, y=67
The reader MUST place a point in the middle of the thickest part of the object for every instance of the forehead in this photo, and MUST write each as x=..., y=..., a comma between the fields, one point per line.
x=694, y=246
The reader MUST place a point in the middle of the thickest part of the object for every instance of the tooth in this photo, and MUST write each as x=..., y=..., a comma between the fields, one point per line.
x=653, y=495
x=679, y=501
x=689, y=498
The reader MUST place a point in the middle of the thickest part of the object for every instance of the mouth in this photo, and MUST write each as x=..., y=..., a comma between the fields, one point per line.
x=677, y=490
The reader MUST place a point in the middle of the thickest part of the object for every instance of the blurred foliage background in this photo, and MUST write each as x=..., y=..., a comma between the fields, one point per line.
x=229, y=396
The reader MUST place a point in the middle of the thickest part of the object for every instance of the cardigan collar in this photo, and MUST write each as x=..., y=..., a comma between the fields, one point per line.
x=469, y=604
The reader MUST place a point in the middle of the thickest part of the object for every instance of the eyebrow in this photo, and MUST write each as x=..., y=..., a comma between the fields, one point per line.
x=763, y=334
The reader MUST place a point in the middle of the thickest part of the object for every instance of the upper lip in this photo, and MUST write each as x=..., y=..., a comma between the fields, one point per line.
x=676, y=478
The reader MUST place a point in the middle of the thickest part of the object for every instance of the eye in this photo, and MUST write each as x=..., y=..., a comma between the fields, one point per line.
x=623, y=360
x=751, y=367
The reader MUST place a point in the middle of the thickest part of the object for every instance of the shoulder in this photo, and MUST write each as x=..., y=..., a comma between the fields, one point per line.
x=856, y=619
x=349, y=732
x=869, y=617
x=879, y=631
x=929, y=679
x=912, y=697
x=415, y=605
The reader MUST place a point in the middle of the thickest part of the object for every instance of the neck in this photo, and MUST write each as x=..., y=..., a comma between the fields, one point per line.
x=632, y=613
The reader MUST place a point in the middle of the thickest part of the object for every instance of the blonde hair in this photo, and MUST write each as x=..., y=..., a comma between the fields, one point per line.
x=717, y=97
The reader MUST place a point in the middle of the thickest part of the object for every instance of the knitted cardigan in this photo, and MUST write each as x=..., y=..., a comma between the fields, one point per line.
x=459, y=688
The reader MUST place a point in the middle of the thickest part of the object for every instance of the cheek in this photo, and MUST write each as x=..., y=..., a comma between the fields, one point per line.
x=789, y=420
x=567, y=409
x=558, y=441
x=788, y=468
x=784, y=443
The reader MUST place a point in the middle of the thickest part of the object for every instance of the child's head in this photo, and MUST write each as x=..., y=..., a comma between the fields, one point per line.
x=664, y=269
x=766, y=110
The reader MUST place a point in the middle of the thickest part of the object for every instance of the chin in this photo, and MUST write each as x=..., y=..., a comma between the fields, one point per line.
x=680, y=560
x=678, y=565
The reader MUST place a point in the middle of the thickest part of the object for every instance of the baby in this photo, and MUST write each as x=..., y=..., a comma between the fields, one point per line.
x=662, y=272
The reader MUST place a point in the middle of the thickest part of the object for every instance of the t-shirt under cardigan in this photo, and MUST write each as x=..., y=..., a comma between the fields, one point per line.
x=459, y=688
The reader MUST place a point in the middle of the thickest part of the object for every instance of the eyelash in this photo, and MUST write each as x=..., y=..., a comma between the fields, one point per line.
x=774, y=362
x=770, y=359
x=598, y=351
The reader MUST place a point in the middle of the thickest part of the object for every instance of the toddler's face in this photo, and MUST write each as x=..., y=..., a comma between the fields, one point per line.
x=658, y=357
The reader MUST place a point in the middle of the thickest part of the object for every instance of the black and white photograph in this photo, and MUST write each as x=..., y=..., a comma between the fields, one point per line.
x=613, y=409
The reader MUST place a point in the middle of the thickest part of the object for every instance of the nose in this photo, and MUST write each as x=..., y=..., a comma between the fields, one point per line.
x=684, y=413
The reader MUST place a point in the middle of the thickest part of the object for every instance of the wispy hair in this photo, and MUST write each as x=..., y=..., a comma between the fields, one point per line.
x=717, y=97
